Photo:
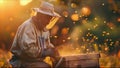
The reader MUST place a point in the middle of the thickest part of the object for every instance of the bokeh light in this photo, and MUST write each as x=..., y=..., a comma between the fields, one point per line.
x=118, y=19
x=65, y=31
x=25, y=2
x=75, y=17
x=85, y=11
x=65, y=13
x=73, y=5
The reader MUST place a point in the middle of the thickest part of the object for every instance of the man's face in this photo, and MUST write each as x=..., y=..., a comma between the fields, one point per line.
x=44, y=19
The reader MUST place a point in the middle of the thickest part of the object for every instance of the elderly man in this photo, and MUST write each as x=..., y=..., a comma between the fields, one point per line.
x=31, y=43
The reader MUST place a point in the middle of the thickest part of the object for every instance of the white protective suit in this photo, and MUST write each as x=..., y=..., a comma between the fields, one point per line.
x=26, y=44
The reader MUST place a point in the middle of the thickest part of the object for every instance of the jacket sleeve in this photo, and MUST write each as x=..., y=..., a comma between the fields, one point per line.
x=28, y=42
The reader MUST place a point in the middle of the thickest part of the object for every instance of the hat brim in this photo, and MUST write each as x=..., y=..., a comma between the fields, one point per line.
x=54, y=14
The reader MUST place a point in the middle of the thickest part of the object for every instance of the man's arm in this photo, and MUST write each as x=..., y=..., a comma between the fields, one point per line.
x=28, y=42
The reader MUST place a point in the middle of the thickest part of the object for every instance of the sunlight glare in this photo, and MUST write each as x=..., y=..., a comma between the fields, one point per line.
x=1, y=1
x=25, y=2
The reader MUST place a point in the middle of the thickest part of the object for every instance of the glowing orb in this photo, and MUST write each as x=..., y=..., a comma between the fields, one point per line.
x=65, y=13
x=73, y=5
x=85, y=11
x=118, y=19
x=64, y=31
x=75, y=17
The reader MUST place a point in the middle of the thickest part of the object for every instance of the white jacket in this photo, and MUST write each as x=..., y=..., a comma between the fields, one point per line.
x=26, y=43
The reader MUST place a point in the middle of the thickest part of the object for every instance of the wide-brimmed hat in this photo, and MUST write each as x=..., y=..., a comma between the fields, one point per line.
x=47, y=8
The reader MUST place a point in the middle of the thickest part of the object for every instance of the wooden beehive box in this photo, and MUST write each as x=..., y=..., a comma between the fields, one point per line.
x=81, y=61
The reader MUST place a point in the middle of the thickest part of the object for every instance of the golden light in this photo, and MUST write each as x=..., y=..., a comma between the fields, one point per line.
x=111, y=28
x=107, y=33
x=111, y=43
x=48, y=60
x=65, y=13
x=96, y=47
x=87, y=35
x=96, y=38
x=25, y=2
x=68, y=50
x=2, y=4
x=106, y=48
x=87, y=49
x=95, y=18
x=104, y=31
x=55, y=36
x=75, y=17
x=63, y=40
x=94, y=27
x=73, y=5
x=118, y=19
x=76, y=11
x=64, y=31
x=69, y=38
x=85, y=11
x=1, y=1
x=91, y=34
x=88, y=28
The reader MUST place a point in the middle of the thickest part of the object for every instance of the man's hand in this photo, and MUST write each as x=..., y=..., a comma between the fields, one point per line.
x=51, y=52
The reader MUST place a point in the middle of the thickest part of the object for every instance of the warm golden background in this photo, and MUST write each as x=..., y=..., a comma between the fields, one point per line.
x=86, y=26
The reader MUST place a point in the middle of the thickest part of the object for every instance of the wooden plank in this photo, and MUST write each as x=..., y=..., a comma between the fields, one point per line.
x=82, y=56
x=82, y=60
